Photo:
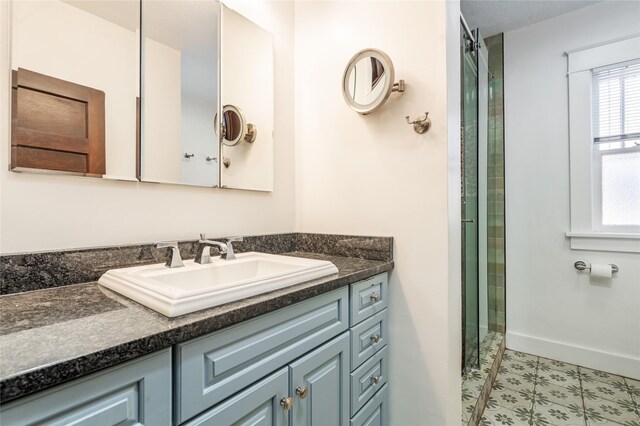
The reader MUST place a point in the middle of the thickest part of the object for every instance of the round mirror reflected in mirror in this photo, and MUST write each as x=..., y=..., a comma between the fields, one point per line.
x=368, y=81
x=232, y=125
x=234, y=128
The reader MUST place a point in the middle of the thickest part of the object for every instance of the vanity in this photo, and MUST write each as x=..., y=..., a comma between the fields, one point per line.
x=160, y=93
x=312, y=353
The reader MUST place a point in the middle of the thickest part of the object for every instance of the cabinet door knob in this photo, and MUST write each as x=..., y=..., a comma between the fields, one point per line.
x=375, y=297
x=375, y=380
x=375, y=338
x=302, y=391
x=286, y=403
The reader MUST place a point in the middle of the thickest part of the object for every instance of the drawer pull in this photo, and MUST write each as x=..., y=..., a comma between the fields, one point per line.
x=302, y=391
x=375, y=379
x=286, y=403
x=375, y=297
x=375, y=338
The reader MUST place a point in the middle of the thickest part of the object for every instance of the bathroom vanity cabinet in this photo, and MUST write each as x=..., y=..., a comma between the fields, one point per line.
x=322, y=361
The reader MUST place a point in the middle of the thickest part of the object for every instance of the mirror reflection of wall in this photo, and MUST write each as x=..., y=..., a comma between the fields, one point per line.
x=180, y=96
x=367, y=80
x=75, y=84
x=247, y=83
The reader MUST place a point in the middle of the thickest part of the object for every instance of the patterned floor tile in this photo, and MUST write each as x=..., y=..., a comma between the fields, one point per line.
x=517, y=382
x=517, y=366
x=560, y=378
x=467, y=409
x=633, y=382
x=521, y=356
x=633, y=386
x=546, y=364
x=474, y=384
x=630, y=406
x=561, y=395
x=503, y=417
x=587, y=376
x=541, y=392
x=602, y=409
x=555, y=414
x=473, y=374
x=606, y=422
x=510, y=399
x=614, y=391
x=601, y=376
x=470, y=389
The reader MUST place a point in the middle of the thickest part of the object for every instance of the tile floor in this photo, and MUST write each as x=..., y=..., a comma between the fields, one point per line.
x=531, y=390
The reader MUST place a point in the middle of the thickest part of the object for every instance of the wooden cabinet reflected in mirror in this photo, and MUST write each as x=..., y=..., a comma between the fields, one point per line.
x=56, y=125
x=75, y=69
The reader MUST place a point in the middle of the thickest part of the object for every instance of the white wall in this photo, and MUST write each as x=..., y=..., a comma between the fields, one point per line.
x=374, y=175
x=44, y=212
x=552, y=310
x=161, y=146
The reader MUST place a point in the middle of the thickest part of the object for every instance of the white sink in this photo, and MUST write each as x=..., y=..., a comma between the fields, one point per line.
x=179, y=291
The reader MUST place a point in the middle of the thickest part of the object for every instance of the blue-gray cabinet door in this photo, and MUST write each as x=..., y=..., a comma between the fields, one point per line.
x=320, y=385
x=214, y=367
x=257, y=405
x=134, y=393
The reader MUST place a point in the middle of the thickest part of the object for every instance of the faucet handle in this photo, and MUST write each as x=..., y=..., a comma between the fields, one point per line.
x=167, y=244
x=234, y=239
x=174, y=260
x=203, y=237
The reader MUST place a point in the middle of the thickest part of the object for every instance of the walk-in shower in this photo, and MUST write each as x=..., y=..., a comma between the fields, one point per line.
x=482, y=193
x=482, y=206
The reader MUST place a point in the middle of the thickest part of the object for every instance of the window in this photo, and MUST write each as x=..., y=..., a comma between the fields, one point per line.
x=616, y=146
x=604, y=145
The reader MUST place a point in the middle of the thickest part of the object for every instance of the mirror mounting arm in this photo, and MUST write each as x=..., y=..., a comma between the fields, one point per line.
x=398, y=87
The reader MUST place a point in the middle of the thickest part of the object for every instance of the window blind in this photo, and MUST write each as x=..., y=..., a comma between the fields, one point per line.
x=616, y=104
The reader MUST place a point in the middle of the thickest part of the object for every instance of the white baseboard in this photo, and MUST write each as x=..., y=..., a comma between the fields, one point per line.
x=623, y=365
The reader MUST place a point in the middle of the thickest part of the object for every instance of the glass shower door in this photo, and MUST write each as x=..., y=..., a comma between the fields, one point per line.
x=469, y=198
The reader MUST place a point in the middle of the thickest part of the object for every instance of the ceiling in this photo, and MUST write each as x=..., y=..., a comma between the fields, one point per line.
x=498, y=16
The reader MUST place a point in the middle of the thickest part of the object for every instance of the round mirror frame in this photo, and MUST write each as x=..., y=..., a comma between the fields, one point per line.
x=388, y=84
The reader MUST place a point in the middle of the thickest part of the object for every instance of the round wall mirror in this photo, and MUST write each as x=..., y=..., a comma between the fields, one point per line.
x=368, y=81
x=234, y=129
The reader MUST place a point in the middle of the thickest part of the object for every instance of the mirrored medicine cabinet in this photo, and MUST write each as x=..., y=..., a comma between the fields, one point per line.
x=133, y=90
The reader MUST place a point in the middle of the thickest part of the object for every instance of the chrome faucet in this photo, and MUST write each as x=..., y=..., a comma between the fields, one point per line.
x=173, y=253
x=230, y=255
x=203, y=254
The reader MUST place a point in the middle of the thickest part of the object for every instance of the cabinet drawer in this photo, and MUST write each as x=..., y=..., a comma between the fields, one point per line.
x=368, y=379
x=368, y=297
x=368, y=337
x=216, y=366
x=257, y=405
x=137, y=392
x=375, y=412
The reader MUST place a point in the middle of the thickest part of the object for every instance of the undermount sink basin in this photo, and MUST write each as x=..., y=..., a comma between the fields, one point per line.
x=179, y=291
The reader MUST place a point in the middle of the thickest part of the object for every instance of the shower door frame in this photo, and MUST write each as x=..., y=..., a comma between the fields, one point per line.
x=469, y=360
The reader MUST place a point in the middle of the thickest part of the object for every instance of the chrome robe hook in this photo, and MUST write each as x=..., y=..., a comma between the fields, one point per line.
x=420, y=124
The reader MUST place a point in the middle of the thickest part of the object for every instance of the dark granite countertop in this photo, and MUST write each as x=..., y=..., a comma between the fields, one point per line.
x=51, y=336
